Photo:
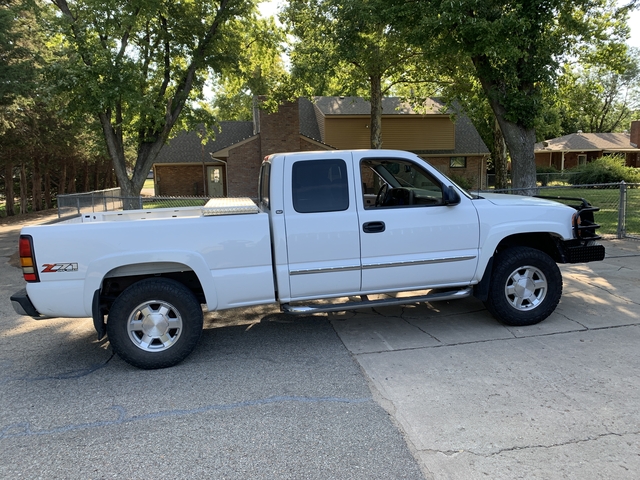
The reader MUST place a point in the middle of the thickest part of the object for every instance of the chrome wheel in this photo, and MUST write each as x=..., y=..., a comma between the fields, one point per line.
x=526, y=288
x=154, y=326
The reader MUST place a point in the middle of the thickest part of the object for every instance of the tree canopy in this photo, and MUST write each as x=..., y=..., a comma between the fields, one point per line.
x=346, y=47
x=140, y=66
x=516, y=48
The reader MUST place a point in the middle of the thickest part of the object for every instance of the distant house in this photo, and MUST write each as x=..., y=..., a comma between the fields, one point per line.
x=229, y=165
x=580, y=148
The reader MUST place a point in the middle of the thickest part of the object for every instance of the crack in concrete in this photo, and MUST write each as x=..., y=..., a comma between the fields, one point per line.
x=592, y=438
x=473, y=342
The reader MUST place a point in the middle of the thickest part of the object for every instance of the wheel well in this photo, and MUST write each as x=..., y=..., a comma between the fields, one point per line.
x=114, y=286
x=542, y=241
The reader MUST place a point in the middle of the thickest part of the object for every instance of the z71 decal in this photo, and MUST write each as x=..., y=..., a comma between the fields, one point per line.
x=59, y=267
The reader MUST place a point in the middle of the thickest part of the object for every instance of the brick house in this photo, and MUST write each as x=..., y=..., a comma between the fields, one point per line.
x=229, y=165
x=580, y=148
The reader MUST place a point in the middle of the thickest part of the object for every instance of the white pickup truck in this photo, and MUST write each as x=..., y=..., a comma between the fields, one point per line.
x=327, y=225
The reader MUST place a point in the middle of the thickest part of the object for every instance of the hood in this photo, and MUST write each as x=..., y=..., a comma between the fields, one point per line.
x=507, y=200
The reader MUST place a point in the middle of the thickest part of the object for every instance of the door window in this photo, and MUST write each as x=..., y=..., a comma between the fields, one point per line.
x=397, y=183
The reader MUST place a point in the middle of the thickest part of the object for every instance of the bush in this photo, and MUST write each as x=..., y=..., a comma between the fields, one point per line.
x=540, y=174
x=607, y=169
x=462, y=182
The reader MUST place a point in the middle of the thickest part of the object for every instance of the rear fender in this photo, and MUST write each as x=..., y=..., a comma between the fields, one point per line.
x=150, y=262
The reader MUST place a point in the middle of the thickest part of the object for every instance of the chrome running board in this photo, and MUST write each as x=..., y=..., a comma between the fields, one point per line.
x=435, y=296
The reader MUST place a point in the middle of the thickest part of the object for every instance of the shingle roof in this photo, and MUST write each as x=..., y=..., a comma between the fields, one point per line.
x=186, y=147
x=308, y=121
x=582, y=142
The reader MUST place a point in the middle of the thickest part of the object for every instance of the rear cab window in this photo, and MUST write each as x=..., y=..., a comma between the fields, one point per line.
x=320, y=186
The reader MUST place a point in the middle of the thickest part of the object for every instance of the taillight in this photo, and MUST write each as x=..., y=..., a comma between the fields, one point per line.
x=28, y=259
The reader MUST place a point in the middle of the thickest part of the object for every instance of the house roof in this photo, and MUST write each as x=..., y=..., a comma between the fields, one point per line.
x=583, y=142
x=186, y=147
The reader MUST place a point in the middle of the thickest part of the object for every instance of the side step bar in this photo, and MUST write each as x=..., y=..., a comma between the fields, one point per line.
x=434, y=296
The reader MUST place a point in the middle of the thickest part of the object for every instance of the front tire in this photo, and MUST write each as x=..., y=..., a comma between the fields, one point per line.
x=525, y=288
x=155, y=323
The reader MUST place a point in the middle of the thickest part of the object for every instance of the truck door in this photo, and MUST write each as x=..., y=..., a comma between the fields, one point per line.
x=322, y=231
x=410, y=238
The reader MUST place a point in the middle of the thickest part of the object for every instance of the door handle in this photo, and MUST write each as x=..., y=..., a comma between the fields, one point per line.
x=373, y=227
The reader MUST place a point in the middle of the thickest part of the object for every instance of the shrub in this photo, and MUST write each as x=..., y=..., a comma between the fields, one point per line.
x=540, y=174
x=462, y=182
x=607, y=169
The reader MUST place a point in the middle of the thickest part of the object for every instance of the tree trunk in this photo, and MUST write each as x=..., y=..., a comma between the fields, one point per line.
x=71, y=187
x=48, y=201
x=36, y=182
x=500, y=158
x=8, y=189
x=62, y=180
x=24, y=208
x=86, y=187
x=376, y=112
x=520, y=141
x=519, y=138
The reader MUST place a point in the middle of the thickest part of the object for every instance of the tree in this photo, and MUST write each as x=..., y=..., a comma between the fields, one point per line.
x=262, y=73
x=140, y=67
x=515, y=47
x=599, y=98
x=346, y=47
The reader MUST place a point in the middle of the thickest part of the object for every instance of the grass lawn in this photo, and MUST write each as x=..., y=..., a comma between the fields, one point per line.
x=173, y=203
x=607, y=199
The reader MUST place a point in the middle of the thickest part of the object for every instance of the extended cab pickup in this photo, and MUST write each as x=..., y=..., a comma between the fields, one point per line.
x=327, y=225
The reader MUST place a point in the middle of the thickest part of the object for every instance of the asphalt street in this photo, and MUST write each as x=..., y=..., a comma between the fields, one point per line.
x=263, y=396
x=435, y=391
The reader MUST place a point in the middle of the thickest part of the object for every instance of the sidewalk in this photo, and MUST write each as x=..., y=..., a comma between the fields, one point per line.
x=476, y=399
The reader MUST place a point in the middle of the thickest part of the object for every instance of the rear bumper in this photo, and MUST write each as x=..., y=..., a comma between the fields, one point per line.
x=578, y=251
x=22, y=304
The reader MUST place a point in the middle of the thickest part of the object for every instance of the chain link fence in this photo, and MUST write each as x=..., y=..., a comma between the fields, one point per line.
x=619, y=204
x=72, y=205
x=544, y=179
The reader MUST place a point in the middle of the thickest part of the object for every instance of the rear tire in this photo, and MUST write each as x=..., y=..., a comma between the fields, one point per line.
x=155, y=323
x=525, y=287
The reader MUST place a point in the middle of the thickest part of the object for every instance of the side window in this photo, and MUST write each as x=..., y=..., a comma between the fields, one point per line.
x=320, y=186
x=398, y=183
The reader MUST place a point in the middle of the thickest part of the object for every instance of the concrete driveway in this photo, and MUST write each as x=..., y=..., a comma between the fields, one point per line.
x=437, y=391
x=476, y=399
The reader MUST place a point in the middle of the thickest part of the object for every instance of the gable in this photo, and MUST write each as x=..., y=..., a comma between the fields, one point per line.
x=398, y=132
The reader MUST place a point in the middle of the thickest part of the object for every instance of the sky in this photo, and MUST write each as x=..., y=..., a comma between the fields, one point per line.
x=270, y=8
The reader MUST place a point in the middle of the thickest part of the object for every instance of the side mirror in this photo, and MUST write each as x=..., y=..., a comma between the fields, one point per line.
x=450, y=196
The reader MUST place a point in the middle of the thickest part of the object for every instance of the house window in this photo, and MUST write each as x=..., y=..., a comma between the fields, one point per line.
x=582, y=159
x=458, y=162
x=320, y=186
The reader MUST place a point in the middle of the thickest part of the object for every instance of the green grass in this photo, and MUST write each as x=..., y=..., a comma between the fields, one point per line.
x=174, y=203
x=607, y=199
